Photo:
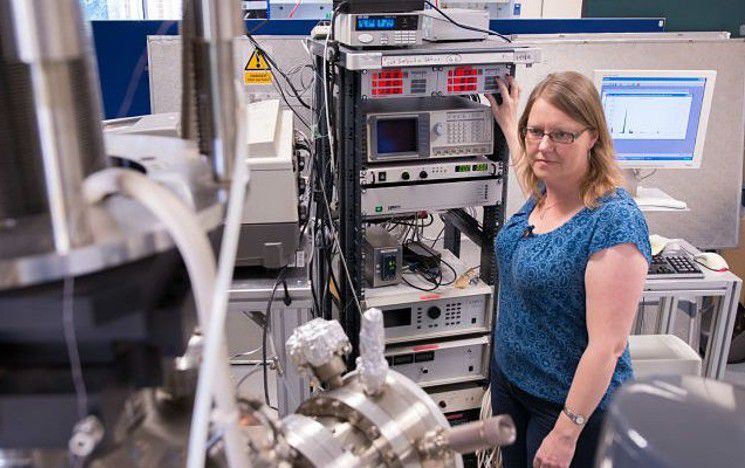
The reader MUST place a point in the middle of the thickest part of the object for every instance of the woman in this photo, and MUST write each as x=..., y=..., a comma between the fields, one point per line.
x=572, y=265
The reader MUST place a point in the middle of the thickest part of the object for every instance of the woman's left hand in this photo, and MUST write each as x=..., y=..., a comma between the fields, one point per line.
x=556, y=451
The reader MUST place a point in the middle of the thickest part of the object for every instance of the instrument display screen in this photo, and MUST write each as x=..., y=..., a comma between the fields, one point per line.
x=398, y=135
x=376, y=23
x=397, y=317
x=387, y=23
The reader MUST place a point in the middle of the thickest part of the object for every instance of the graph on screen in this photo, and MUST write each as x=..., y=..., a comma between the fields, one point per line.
x=653, y=116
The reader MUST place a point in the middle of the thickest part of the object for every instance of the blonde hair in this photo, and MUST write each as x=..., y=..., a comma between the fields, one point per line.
x=576, y=96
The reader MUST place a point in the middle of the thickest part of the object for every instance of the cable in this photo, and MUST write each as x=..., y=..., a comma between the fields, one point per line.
x=316, y=312
x=491, y=457
x=305, y=87
x=273, y=67
x=341, y=254
x=265, y=327
x=638, y=174
x=76, y=368
x=470, y=28
x=326, y=166
x=455, y=274
x=414, y=222
x=289, y=106
x=312, y=174
x=433, y=275
x=329, y=38
x=292, y=12
x=249, y=374
x=333, y=17
x=247, y=353
x=329, y=131
x=215, y=349
x=437, y=238
x=193, y=245
x=403, y=278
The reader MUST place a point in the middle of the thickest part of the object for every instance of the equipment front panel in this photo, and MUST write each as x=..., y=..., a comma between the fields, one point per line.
x=430, y=81
x=442, y=362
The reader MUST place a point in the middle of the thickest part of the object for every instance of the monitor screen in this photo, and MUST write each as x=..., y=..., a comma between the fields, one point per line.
x=657, y=118
x=397, y=135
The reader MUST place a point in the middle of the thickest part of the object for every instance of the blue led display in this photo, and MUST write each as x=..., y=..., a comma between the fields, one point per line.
x=380, y=23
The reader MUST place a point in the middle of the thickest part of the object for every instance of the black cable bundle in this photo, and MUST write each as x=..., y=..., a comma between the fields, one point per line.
x=275, y=70
x=426, y=263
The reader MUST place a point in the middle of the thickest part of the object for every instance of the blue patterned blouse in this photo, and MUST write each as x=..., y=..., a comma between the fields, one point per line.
x=541, y=329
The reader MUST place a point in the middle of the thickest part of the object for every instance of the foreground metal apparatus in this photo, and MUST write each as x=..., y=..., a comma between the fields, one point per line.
x=98, y=359
x=400, y=427
x=48, y=132
x=94, y=302
x=356, y=423
x=209, y=102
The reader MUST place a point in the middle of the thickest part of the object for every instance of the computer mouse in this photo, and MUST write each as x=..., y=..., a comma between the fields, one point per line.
x=712, y=261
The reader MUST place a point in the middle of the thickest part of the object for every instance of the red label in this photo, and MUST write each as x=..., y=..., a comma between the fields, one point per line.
x=425, y=347
x=429, y=297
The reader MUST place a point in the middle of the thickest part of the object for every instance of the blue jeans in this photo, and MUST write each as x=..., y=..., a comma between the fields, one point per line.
x=534, y=418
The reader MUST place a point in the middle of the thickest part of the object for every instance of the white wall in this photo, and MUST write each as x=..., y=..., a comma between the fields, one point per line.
x=562, y=8
x=165, y=9
x=154, y=9
x=551, y=9
x=124, y=9
x=531, y=8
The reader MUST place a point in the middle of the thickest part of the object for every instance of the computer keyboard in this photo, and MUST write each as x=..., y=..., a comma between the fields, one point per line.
x=673, y=267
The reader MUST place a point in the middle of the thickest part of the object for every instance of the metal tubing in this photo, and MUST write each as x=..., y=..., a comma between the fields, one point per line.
x=220, y=23
x=39, y=30
x=45, y=40
x=208, y=32
x=493, y=432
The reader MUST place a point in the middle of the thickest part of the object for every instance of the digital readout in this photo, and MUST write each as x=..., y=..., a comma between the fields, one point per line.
x=376, y=23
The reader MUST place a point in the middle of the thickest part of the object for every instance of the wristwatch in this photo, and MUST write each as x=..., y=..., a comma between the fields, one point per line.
x=577, y=419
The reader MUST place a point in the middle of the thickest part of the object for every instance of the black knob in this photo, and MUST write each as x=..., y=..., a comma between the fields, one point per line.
x=423, y=175
x=442, y=404
x=405, y=176
x=433, y=312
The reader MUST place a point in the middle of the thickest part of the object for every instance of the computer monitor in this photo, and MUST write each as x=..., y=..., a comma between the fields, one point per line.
x=657, y=118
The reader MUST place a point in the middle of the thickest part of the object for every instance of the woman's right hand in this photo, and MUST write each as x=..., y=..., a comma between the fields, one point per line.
x=506, y=113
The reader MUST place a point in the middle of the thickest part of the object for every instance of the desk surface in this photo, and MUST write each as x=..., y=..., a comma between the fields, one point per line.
x=711, y=279
x=257, y=284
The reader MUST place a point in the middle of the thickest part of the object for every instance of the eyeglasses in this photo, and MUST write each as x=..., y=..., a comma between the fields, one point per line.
x=557, y=136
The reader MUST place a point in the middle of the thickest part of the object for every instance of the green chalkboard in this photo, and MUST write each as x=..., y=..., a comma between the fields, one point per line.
x=682, y=15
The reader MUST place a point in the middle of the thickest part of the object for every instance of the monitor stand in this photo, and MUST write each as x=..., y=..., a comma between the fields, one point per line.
x=631, y=179
x=650, y=198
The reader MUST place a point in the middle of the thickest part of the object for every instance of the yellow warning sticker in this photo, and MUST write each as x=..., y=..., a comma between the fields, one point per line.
x=256, y=71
